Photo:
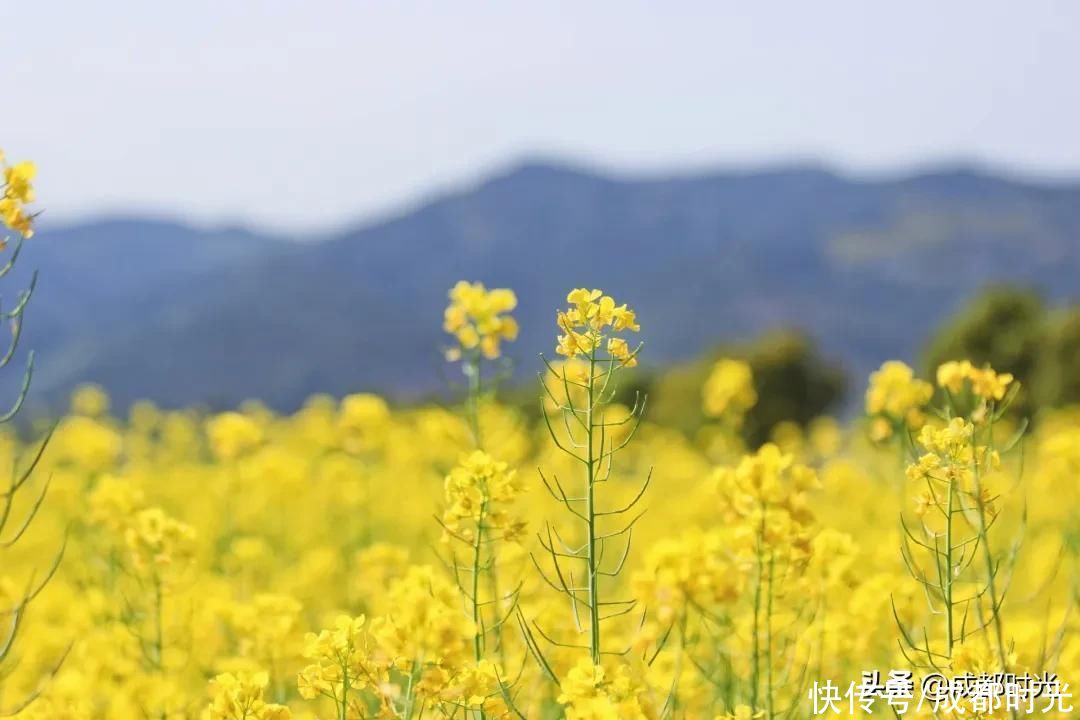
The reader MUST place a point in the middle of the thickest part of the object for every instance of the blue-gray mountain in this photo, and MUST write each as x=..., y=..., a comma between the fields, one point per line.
x=181, y=315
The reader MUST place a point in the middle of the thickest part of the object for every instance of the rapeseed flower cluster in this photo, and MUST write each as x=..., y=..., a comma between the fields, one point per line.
x=694, y=570
x=18, y=192
x=896, y=399
x=362, y=423
x=240, y=697
x=589, y=692
x=479, y=318
x=983, y=382
x=591, y=319
x=956, y=548
x=341, y=668
x=767, y=495
x=951, y=455
x=160, y=546
x=479, y=494
x=231, y=434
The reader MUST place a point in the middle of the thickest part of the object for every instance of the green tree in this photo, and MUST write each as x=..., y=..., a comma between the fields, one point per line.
x=1057, y=379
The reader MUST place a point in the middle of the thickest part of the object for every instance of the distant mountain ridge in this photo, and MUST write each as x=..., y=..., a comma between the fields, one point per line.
x=867, y=267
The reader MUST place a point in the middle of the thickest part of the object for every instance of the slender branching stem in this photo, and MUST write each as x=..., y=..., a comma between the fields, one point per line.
x=947, y=576
x=756, y=650
x=471, y=368
x=769, y=641
x=478, y=638
x=590, y=512
x=991, y=570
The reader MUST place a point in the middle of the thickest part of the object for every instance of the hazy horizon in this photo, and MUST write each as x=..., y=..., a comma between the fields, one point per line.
x=424, y=195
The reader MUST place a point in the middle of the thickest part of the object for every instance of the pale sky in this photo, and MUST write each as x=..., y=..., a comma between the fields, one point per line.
x=317, y=113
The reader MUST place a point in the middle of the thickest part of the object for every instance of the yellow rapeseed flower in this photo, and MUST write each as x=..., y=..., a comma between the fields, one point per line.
x=592, y=319
x=985, y=383
x=18, y=191
x=240, y=697
x=729, y=388
x=479, y=318
x=232, y=434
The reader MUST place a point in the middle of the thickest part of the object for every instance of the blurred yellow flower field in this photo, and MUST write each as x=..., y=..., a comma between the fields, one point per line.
x=479, y=560
x=353, y=560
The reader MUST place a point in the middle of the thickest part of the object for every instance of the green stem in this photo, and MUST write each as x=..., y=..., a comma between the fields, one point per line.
x=755, y=672
x=343, y=708
x=821, y=636
x=677, y=672
x=409, y=692
x=472, y=411
x=594, y=608
x=478, y=644
x=472, y=402
x=948, y=578
x=988, y=559
x=768, y=643
x=493, y=578
x=159, y=630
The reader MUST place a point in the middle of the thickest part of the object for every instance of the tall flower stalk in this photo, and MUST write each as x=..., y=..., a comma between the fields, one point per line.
x=764, y=498
x=480, y=322
x=591, y=437
x=949, y=552
x=16, y=194
x=480, y=489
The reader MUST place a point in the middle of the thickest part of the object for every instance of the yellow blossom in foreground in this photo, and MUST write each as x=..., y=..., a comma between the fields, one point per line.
x=619, y=350
x=266, y=627
x=588, y=693
x=18, y=191
x=478, y=495
x=240, y=697
x=951, y=456
x=426, y=623
x=766, y=494
x=210, y=546
x=985, y=382
x=591, y=319
x=340, y=665
x=695, y=569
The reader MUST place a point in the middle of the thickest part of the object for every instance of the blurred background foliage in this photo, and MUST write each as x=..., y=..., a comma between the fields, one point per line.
x=1008, y=327
x=1014, y=330
x=793, y=382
